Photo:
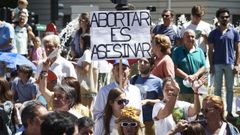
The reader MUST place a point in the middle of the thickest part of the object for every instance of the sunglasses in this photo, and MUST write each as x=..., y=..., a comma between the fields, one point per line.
x=129, y=124
x=165, y=16
x=224, y=17
x=206, y=110
x=122, y=101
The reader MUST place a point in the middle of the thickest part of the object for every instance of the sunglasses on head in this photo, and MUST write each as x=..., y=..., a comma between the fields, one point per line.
x=129, y=124
x=122, y=101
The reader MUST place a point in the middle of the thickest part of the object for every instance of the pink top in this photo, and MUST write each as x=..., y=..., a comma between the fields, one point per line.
x=164, y=67
x=37, y=54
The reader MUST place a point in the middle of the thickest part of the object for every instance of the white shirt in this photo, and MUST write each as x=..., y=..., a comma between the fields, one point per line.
x=166, y=124
x=99, y=126
x=61, y=67
x=132, y=92
x=21, y=39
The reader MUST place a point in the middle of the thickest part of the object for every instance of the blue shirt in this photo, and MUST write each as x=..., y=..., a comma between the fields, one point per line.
x=188, y=62
x=24, y=92
x=171, y=31
x=75, y=44
x=6, y=32
x=150, y=88
x=223, y=45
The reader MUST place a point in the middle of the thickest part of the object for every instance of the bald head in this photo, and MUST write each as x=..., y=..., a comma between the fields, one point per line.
x=189, y=38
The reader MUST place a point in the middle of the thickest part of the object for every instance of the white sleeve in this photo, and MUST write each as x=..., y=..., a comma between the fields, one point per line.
x=87, y=56
x=99, y=127
x=156, y=109
x=99, y=105
x=238, y=104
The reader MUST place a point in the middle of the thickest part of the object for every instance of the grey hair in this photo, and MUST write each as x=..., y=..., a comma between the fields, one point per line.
x=54, y=38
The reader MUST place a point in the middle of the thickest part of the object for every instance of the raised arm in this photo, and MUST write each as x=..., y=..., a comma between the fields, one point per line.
x=43, y=81
x=172, y=91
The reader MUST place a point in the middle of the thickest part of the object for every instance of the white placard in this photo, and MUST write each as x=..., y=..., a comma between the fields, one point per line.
x=116, y=34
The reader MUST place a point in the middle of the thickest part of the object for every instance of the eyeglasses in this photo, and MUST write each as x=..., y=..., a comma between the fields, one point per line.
x=224, y=17
x=122, y=101
x=206, y=110
x=129, y=124
x=165, y=16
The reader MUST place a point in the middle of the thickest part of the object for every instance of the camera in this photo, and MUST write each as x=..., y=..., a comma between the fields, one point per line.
x=151, y=8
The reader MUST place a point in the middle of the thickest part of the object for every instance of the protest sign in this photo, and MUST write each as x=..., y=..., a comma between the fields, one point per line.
x=116, y=34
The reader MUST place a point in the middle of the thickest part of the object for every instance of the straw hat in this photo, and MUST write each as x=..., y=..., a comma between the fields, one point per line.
x=130, y=113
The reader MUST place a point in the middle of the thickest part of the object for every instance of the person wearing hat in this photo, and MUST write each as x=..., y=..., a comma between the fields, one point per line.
x=22, y=6
x=151, y=92
x=132, y=92
x=129, y=122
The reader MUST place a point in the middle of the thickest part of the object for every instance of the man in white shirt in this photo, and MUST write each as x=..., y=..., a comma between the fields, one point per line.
x=132, y=92
x=59, y=65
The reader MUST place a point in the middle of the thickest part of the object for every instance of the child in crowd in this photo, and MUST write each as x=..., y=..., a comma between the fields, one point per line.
x=37, y=53
x=22, y=6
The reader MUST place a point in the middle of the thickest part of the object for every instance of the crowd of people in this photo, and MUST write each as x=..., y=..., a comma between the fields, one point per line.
x=77, y=96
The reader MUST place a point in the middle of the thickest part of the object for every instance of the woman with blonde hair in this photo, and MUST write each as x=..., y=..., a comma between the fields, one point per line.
x=163, y=65
x=129, y=122
x=213, y=111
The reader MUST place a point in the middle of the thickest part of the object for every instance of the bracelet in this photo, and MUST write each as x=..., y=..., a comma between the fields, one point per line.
x=43, y=74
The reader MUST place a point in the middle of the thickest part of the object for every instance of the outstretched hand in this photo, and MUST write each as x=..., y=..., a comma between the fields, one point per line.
x=198, y=83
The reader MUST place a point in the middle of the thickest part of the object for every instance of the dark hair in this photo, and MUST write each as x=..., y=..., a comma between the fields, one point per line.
x=198, y=10
x=86, y=41
x=70, y=93
x=194, y=128
x=108, y=112
x=5, y=92
x=29, y=111
x=222, y=10
x=171, y=12
x=26, y=69
x=85, y=16
x=165, y=80
x=58, y=123
x=128, y=6
x=85, y=122
x=73, y=82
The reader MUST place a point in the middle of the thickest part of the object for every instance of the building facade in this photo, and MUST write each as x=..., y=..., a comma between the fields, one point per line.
x=42, y=8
